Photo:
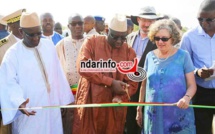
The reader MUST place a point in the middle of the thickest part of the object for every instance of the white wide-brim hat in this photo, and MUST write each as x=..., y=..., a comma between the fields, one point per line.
x=146, y=13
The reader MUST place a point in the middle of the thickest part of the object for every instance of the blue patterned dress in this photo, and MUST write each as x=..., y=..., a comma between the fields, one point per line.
x=166, y=83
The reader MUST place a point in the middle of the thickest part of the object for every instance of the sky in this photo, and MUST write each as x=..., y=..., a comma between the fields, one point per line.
x=185, y=10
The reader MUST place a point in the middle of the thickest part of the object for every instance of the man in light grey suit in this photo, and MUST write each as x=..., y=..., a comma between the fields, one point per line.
x=142, y=45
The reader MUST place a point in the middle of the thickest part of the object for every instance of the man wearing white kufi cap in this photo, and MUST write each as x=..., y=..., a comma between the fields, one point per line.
x=31, y=76
x=12, y=20
x=104, y=87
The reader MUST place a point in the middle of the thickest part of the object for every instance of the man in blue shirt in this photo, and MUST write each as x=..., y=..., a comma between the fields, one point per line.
x=47, y=22
x=58, y=28
x=200, y=43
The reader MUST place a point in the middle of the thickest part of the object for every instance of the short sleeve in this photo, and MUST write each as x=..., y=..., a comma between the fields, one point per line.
x=188, y=64
x=185, y=43
x=146, y=62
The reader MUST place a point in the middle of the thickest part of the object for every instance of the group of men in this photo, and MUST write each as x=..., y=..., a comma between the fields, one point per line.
x=39, y=68
x=35, y=73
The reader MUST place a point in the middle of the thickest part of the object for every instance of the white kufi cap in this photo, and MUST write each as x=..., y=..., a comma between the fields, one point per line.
x=29, y=20
x=119, y=23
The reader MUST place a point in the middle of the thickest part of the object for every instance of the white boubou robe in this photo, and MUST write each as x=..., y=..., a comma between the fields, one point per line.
x=22, y=78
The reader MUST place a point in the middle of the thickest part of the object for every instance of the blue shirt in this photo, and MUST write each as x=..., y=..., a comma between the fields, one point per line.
x=166, y=83
x=3, y=34
x=56, y=37
x=202, y=51
x=140, y=45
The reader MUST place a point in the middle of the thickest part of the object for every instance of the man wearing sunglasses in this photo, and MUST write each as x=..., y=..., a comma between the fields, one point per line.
x=67, y=50
x=104, y=87
x=13, y=21
x=31, y=76
x=200, y=43
x=142, y=45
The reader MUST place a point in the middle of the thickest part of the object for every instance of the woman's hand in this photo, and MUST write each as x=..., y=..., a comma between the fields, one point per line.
x=139, y=117
x=183, y=102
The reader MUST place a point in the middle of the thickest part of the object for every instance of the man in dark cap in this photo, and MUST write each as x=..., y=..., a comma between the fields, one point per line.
x=100, y=24
x=12, y=21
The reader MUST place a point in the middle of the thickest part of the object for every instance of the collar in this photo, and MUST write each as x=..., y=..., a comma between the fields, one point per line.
x=49, y=35
x=201, y=32
x=78, y=40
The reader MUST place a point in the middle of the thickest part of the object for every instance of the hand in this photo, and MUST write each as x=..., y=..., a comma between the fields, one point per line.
x=118, y=87
x=24, y=111
x=117, y=99
x=205, y=72
x=183, y=103
x=139, y=117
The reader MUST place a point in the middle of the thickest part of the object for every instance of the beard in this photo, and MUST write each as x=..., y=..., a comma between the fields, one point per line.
x=144, y=32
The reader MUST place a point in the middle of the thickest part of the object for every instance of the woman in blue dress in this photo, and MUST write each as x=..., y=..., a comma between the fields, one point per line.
x=170, y=79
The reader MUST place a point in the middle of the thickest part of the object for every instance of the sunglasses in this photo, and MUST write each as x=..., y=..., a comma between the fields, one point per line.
x=208, y=20
x=80, y=23
x=123, y=38
x=33, y=34
x=164, y=39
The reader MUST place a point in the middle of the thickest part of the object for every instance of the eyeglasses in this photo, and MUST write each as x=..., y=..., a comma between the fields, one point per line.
x=208, y=20
x=123, y=38
x=164, y=39
x=80, y=23
x=33, y=34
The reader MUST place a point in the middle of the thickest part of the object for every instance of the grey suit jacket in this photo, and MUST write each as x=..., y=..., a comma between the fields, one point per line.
x=150, y=46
